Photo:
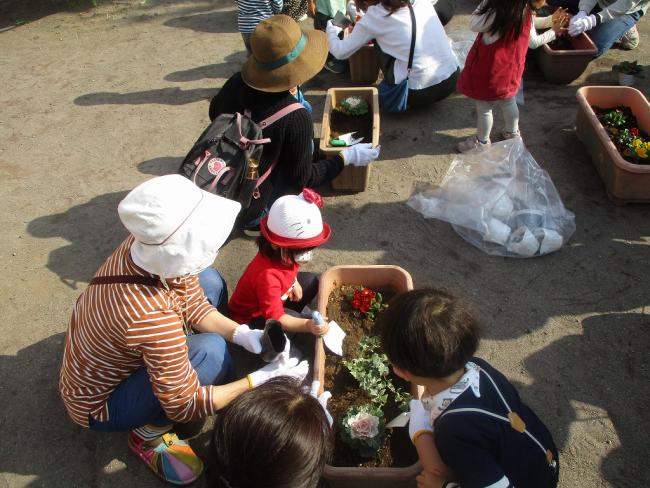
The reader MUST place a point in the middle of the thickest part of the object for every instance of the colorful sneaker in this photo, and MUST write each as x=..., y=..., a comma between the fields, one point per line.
x=472, y=145
x=629, y=40
x=168, y=457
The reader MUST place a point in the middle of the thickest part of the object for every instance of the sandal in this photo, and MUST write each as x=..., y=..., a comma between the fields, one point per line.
x=168, y=457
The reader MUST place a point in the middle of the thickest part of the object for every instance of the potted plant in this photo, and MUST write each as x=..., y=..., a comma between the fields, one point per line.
x=627, y=72
x=363, y=388
x=605, y=126
x=350, y=110
x=566, y=58
x=364, y=64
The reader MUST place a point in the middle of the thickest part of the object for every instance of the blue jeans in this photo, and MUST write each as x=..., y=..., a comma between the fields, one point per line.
x=134, y=404
x=607, y=33
x=215, y=289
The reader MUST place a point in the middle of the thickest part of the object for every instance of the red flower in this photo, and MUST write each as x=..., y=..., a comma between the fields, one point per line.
x=634, y=131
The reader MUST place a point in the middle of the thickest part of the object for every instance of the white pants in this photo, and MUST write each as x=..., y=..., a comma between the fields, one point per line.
x=484, y=117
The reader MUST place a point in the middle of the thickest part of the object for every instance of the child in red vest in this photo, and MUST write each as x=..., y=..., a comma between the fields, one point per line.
x=495, y=64
x=271, y=286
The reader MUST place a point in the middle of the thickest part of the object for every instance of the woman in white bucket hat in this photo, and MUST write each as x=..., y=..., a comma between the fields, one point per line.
x=131, y=359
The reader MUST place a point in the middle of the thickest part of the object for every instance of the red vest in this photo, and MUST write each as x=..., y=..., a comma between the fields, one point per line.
x=493, y=71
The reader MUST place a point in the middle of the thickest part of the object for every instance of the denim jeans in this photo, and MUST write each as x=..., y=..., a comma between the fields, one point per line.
x=215, y=289
x=134, y=404
x=607, y=33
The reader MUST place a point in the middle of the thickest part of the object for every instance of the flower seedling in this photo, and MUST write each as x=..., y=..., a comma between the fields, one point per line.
x=615, y=118
x=363, y=428
x=629, y=68
x=354, y=105
x=367, y=302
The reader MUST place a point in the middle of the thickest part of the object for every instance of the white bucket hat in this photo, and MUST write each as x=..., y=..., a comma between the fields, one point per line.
x=178, y=227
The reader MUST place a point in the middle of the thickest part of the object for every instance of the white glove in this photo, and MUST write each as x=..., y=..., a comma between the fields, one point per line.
x=290, y=368
x=582, y=24
x=249, y=339
x=323, y=398
x=419, y=420
x=332, y=29
x=360, y=154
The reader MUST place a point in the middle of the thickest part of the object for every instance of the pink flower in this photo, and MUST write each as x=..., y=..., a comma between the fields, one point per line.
x=363, y=426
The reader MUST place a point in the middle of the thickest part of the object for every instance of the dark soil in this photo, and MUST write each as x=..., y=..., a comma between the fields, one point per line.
x=630, y=123
x=561, y=44
x=397, y=450
x=341, y=123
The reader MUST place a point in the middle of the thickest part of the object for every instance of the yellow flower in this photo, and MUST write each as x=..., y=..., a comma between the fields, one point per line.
x=636, y=142
x=642, y=152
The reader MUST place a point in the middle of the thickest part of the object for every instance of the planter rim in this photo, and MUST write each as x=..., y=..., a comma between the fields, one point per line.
x=578, y=52
x=602, y=133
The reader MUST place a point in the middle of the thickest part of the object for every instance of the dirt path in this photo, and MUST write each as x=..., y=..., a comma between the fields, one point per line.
x=94, y=102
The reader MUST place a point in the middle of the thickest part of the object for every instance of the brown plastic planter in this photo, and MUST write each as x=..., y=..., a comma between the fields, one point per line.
x=625, y=182
x=364, y=64
x=352, y=178
x=383, y=277
x=564, y=66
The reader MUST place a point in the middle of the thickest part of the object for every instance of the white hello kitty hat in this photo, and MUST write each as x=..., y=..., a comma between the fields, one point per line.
x=295, y=221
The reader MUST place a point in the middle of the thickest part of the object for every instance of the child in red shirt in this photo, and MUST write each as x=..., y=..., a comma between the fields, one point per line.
x=291, y=230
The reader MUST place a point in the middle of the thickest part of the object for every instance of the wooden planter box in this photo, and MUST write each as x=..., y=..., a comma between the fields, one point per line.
x=564, y=66
x=352, y=178
x=625, y=182
x=382, y=277
x=364, y=64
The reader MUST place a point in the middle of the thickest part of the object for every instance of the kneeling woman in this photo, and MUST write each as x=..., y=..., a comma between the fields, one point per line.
x=388, y=22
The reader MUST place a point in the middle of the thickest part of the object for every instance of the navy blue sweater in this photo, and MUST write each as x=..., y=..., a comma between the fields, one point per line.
x=485, y=451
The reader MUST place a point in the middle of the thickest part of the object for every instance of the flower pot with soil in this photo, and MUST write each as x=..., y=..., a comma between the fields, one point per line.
x=566, y=58
x=336, y=121
x=628, y=71
x=613, y=123
x=365, y=394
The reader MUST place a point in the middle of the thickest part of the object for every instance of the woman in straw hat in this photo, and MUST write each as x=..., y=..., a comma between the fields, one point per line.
x=132, y=360
x=284, y=57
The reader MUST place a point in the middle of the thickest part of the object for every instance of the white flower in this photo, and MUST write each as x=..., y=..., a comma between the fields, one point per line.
x=363, y=426
x=353, y=102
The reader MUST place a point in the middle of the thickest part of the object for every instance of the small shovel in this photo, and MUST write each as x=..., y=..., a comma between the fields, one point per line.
x=346, y=140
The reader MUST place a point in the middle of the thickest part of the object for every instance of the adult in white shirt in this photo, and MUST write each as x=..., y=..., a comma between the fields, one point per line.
x=388, y=22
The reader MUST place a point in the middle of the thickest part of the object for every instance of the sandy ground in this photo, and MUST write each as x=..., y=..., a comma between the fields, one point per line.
x=96, y=101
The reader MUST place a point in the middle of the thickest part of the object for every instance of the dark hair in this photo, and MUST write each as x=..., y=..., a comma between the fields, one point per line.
x=275, y=253
x=507, y=16
x=428, y=333
x=275, y=436
x=394, y=5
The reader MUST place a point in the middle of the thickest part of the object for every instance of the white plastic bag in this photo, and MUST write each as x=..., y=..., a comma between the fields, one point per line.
x=461, y=42
x=500, y=201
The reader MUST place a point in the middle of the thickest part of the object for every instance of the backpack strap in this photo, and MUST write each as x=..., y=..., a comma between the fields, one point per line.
x=280, y=113
x=130, y=280
x=513, y=419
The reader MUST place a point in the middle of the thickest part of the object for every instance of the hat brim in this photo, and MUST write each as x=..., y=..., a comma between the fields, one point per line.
x=307, y=65
x=289, y=243
x=194, y=246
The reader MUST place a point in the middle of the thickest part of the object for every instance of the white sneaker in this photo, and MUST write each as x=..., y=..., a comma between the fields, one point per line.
x=472, y=145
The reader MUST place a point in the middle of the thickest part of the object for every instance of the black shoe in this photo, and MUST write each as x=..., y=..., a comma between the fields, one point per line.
x=335, y=66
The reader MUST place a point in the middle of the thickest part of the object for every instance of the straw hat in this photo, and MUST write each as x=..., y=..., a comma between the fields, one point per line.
x=178, y=227
x=295, y=221
x=283, y=55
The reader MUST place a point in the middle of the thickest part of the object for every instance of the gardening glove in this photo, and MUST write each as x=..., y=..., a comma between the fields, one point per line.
x=322, y=399
x=581, y=25
x=283, y=367
x=419, y=421
x=249, y=339
x=331, y=29
x=360, y=154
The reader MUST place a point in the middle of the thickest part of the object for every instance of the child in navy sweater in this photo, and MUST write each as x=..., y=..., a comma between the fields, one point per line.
x=470, y=428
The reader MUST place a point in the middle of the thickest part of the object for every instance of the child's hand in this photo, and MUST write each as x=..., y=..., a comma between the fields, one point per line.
x=560, y=21
x=317, y=330
x=429, y=480
x=295, y=294
x=311, y=8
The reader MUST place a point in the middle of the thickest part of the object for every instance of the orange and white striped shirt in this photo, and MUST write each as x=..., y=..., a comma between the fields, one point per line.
x=117, y=328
